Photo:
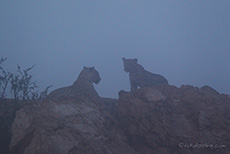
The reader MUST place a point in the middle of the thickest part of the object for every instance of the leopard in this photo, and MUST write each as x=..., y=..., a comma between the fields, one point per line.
x=83, y=87
x=139, y=77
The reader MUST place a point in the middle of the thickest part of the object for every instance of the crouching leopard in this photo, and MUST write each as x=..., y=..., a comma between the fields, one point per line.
x=139, y=77
x=83, y=87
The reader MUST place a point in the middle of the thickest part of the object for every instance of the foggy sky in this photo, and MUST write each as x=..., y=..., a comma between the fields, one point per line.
x=186, y=41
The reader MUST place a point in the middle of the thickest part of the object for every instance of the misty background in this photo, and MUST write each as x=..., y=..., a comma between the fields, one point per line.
x=188, y=42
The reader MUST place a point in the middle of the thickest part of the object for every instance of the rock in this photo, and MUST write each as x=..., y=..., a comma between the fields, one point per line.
x=8, y=108
x=187, y=115
x=61, y=127
x=160, y=119
x=150, y=94
x=209, y=90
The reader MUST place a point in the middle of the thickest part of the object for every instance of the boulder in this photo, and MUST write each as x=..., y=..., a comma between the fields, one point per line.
x=66, y=126
x=185, y=120
x=161, y=119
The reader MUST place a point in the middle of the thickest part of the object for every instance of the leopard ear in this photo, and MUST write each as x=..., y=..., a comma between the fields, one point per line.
x=84, y=67
x=123, y=59
x=135, y=59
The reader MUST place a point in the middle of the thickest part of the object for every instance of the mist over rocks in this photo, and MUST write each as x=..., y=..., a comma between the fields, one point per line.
x=161, y=119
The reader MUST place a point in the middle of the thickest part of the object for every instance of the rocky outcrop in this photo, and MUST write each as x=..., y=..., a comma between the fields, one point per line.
x=67, y=126
x=182, y=121
x=161, y=119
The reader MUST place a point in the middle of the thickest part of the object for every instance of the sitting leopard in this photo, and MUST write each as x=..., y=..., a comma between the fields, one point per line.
x=139, y=77
x=83, y=86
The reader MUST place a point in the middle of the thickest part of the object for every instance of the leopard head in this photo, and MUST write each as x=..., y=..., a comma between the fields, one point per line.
x=91, y=74
x=130, y=65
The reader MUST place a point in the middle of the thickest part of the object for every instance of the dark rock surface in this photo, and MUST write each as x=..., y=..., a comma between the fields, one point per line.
x=8, y=108
x=156, y=120
x=189, y=120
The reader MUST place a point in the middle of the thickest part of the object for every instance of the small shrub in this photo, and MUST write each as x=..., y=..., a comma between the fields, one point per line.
x=20, y=84
x=4, y=80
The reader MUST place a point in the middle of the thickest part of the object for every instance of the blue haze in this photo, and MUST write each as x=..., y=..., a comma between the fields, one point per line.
x=187, y=41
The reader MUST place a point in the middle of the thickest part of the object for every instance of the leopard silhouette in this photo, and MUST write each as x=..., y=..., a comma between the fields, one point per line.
x=139, y=77
x=84, y=87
